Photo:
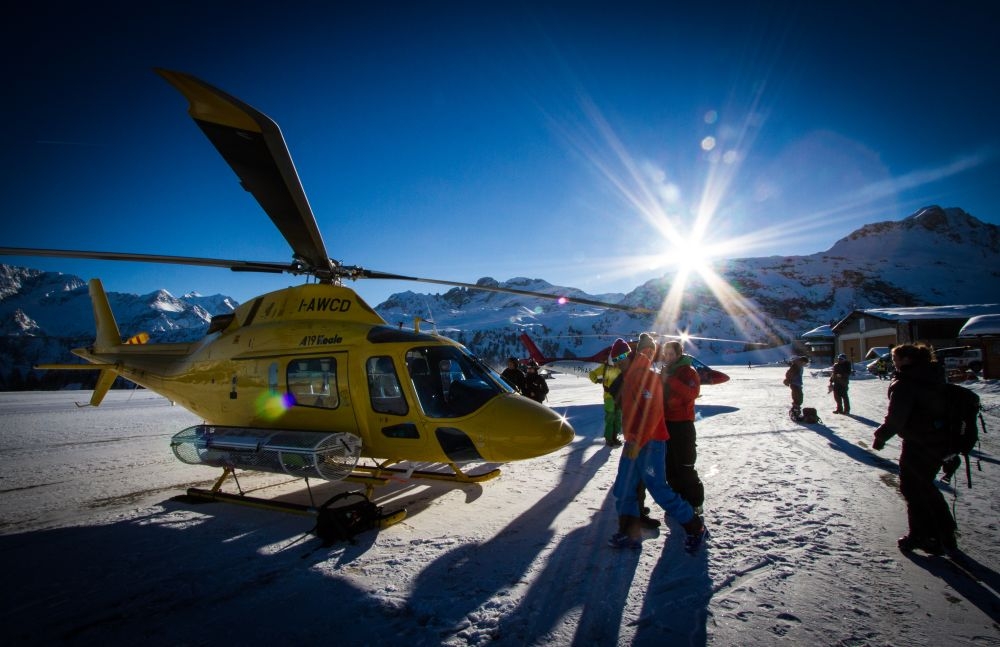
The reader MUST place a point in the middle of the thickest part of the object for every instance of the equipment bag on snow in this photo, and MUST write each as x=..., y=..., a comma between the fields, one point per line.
x=810, y=416
x=964, y=409
x=342, y=523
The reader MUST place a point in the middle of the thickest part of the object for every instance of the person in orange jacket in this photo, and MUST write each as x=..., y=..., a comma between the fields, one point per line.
x=643, y=459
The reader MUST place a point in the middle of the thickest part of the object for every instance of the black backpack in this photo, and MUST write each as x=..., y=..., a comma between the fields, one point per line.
x=342, y=523
x=964, y=409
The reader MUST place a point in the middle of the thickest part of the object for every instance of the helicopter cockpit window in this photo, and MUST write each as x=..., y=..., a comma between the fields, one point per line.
x=449, y=383
x=313, y=382
x=383, y=387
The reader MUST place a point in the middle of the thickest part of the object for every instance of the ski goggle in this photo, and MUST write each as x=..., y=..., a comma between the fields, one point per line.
x=619, y=358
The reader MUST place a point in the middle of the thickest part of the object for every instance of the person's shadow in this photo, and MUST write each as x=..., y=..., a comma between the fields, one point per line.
x=675, y=609
x=974, y=581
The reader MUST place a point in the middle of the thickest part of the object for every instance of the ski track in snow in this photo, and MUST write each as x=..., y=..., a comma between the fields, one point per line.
x=803, y=521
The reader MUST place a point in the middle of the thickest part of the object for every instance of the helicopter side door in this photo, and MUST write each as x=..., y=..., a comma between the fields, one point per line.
x=391, y=416
x=316, y=392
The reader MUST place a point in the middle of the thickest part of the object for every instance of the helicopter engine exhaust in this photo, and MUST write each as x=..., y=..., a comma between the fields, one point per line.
x=300, y=454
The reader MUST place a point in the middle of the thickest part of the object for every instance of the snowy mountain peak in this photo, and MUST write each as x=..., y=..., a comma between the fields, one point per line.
x=925, y=231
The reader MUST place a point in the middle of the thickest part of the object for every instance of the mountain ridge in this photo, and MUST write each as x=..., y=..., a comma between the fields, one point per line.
x=774, y=299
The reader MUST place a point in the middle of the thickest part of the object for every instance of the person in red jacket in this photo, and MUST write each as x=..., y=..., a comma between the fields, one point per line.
x=681, y=386
x=644, y=457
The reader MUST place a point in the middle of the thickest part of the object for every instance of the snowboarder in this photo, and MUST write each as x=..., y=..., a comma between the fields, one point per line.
x=793, y=380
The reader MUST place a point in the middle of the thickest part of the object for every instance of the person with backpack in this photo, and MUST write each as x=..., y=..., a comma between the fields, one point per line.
x=840, y=379
x=917, y=407
x=608, y=375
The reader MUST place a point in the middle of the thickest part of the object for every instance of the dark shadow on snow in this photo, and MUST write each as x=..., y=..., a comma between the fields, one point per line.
x=675, y=609
x=708, y=410
x=975, y=582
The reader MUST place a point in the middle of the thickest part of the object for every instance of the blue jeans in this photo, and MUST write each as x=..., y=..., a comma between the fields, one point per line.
x=649, y=468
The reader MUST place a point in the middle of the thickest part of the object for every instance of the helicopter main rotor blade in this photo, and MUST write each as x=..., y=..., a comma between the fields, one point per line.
x=252, y=144
x=372, y=274
x=236, y=266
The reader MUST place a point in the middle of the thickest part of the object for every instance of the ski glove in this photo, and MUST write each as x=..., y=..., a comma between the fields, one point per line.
x=877, y=443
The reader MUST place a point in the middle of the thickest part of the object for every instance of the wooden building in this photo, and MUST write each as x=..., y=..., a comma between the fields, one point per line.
x=937, y=326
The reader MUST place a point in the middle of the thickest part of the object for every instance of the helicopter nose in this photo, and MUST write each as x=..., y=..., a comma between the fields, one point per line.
x=519, y=428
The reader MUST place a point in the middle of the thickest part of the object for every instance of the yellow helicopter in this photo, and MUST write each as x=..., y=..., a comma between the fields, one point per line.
x=310, y=381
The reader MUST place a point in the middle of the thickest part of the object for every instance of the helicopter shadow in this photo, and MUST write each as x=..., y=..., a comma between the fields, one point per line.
x=180, y=576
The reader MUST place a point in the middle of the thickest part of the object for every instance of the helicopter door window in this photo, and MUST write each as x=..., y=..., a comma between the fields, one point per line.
x=427, y=391
x=313, y=382
x=383, y=387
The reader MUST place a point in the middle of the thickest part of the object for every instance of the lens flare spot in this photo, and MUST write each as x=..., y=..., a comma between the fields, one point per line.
x=271, y=406
x=562, y=301
x=708, y=143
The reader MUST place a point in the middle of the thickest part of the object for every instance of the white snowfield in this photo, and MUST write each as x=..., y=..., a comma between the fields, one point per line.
x=803, y=522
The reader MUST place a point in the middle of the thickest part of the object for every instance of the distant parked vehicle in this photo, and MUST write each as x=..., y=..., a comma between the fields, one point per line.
x=960, y=357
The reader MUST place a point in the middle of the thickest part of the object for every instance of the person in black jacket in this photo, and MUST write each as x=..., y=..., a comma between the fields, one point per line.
x=918, y=414
x=840, y=380
x=513, y=376
x=534, y=384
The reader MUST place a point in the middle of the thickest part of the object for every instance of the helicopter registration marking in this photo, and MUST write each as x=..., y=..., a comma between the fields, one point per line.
x=319, y=340
x=324, y=303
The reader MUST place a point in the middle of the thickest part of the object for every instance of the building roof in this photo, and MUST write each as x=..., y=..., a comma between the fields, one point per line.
x=981, y=325
x=925, y=312
x=822, y=332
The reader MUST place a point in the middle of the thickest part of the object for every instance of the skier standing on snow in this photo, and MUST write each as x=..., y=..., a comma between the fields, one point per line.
x=916, y=400
x=643, y=458
x=840, y=380
x=606, y=374
x=681, y=386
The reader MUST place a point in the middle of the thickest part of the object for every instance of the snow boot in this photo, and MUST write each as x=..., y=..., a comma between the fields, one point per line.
x=930, y=545
x=648, y=522
x=629, y=534
x=696, y=534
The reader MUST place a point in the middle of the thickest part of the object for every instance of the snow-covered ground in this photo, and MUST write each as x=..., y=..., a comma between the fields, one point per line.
x=803, y=522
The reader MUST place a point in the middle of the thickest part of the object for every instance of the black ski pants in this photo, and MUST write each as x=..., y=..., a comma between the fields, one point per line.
x=682, y=453
x=926, y=508
x=841, y=398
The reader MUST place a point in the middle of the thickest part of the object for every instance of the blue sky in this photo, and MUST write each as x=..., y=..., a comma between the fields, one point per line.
x=588, y=144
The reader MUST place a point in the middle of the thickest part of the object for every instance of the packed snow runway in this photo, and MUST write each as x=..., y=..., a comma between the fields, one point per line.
x=803, y=522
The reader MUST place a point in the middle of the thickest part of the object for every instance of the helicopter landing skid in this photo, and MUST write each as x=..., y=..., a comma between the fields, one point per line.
x=376, y=476
x=385, y=519
x=198, y=495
